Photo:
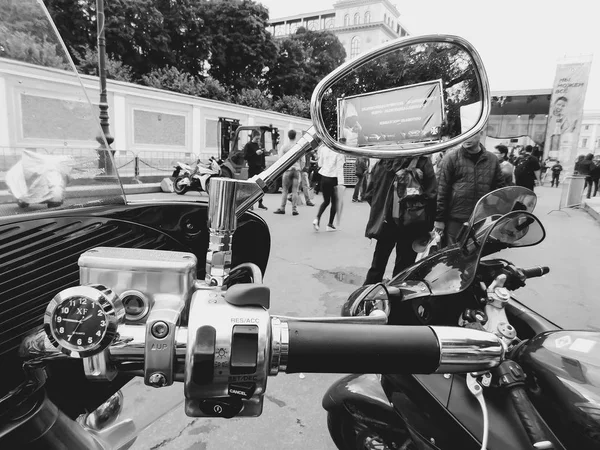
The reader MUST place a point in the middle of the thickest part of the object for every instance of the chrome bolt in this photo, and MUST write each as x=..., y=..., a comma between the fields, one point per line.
x=157, y=379
x=160, y=329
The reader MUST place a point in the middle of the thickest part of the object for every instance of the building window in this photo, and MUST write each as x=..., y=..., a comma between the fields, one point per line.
x=346, y=20
x=587, y=127
x=385, y=17
x=356, y=19
x=367, y=17
x=355, y=47
x=584, y=143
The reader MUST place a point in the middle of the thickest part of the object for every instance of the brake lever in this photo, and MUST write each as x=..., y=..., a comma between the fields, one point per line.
x=475, y=384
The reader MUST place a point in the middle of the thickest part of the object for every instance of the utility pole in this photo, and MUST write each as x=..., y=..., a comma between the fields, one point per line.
x=105, y=161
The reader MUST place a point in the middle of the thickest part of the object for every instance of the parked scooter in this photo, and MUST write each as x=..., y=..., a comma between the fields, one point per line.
x=196, y=177
x=541, y=396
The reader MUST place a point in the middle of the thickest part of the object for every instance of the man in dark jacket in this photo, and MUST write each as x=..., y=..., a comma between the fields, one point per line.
x=527, y=169
x=255, y=157
x=466, y=174
x=382, y=227
x=585, y=168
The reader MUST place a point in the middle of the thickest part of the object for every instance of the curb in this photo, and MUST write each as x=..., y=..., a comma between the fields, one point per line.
x=594, y=212
x=95, y=191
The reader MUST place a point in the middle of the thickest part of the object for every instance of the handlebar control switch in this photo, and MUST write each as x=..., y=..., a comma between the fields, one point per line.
x=228, y=353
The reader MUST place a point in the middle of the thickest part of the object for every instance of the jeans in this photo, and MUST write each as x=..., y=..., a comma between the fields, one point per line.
x=304, y=185
x=588, y=184
x=328, y=185
x=555, y=177
x=290, y=183
x=451, y=231
x=391, y=236
x=359, y=188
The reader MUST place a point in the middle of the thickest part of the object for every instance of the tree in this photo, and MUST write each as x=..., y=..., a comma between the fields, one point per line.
x=292, y=105
x=173, y=79
x=87, y=62
x=303, y=60
x=255, y=98
x=241, y=48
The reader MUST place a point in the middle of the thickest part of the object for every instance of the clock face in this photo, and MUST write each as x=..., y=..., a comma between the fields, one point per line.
x=79, y=323
x=82, y=321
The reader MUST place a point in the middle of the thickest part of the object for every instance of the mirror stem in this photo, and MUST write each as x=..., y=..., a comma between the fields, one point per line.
x=307, y=142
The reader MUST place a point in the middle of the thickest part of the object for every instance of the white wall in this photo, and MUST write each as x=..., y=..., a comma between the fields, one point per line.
x=182, y=123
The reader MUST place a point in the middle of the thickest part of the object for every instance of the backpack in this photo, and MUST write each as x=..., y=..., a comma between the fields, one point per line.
x=521, y=167
x=409, y=204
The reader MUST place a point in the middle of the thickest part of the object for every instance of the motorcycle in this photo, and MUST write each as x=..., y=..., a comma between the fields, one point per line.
x=109, y=289
x=525, y=401
x=196, y=177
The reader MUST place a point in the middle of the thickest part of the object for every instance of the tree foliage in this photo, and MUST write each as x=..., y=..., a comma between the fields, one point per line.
x=241, y=48
x=172, y=79
x=87, y=63
x=303, y=60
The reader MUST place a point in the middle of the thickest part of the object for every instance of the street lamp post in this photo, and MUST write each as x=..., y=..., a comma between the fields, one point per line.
x=105, y=161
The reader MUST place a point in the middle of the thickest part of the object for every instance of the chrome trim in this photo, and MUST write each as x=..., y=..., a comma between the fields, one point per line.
x=98, y=367
x=467, y=350
x=222, y=222
x=382, y=152
x=142, y=297
x=377, y=317
x=105, y=299
x=105, y=415
x=280, y=345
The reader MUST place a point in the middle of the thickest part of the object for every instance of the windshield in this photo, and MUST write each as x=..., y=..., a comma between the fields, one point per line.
x=453, y=269
x=53, y=151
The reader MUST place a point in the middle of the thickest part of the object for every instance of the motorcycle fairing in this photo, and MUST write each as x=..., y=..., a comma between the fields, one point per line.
x=39, y=254
x=361, y=396
x=563, y=369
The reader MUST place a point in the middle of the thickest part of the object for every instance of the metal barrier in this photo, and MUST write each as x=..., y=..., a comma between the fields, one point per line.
x=130, y=164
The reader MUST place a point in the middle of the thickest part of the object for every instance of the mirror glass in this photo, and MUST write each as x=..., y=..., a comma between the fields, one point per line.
x=517, y=229
x=502, y=201
x=409, y=97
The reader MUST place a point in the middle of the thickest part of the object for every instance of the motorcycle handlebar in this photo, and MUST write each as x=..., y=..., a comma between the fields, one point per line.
x=348, y=348
x=314, y=347
x=533, y=272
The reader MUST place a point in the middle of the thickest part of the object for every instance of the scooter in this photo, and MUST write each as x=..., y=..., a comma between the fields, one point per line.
x=542, y=396
x=195, y=177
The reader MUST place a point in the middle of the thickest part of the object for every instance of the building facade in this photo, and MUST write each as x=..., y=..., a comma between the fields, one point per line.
x=589, y=135
x=360, y=25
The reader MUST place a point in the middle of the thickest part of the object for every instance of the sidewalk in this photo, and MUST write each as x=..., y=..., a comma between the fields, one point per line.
x=592, y=206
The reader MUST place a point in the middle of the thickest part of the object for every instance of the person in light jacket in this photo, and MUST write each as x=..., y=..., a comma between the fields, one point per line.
x=331, y=169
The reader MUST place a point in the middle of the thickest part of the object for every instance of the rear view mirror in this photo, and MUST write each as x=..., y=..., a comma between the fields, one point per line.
x=418, y=95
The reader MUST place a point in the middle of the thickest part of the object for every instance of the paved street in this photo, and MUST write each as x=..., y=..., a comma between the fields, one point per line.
x=312, y=273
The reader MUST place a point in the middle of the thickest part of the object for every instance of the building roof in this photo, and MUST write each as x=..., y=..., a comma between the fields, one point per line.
x=302, y=16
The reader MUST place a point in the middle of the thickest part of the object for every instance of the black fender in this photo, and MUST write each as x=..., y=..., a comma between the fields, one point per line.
x=362, y=397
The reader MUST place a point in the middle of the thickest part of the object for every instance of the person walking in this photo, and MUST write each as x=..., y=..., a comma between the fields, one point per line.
x=291, y=177
x=585, y=168
x=556, y=169
x=304, y=179
x=466, y=174
x=527, y=169
x=381, y=224
x=360, y=170
x=505, y=166
x=255, y=156
x=331, y=169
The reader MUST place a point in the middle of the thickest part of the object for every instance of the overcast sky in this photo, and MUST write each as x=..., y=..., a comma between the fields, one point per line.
x=520, y=41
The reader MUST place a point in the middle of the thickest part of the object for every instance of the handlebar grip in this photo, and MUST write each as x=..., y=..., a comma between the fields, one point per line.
x=535, y=271
x=348, y=348
x=536, y=428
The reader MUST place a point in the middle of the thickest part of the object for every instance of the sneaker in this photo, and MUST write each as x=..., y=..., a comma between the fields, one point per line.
x=316, y=224
x=261, y=206
x=294, y=213
x=309, y=203
x=331, y=228
x=354, y=200
x=279, y=211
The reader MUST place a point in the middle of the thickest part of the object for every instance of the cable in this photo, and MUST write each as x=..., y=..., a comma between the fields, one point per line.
x=477, y=390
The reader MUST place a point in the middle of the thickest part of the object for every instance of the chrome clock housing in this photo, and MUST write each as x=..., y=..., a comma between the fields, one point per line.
x=97, y=305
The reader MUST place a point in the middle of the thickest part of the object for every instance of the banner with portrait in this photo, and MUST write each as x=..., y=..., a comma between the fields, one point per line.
x=408, y=114
x=566, y=111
